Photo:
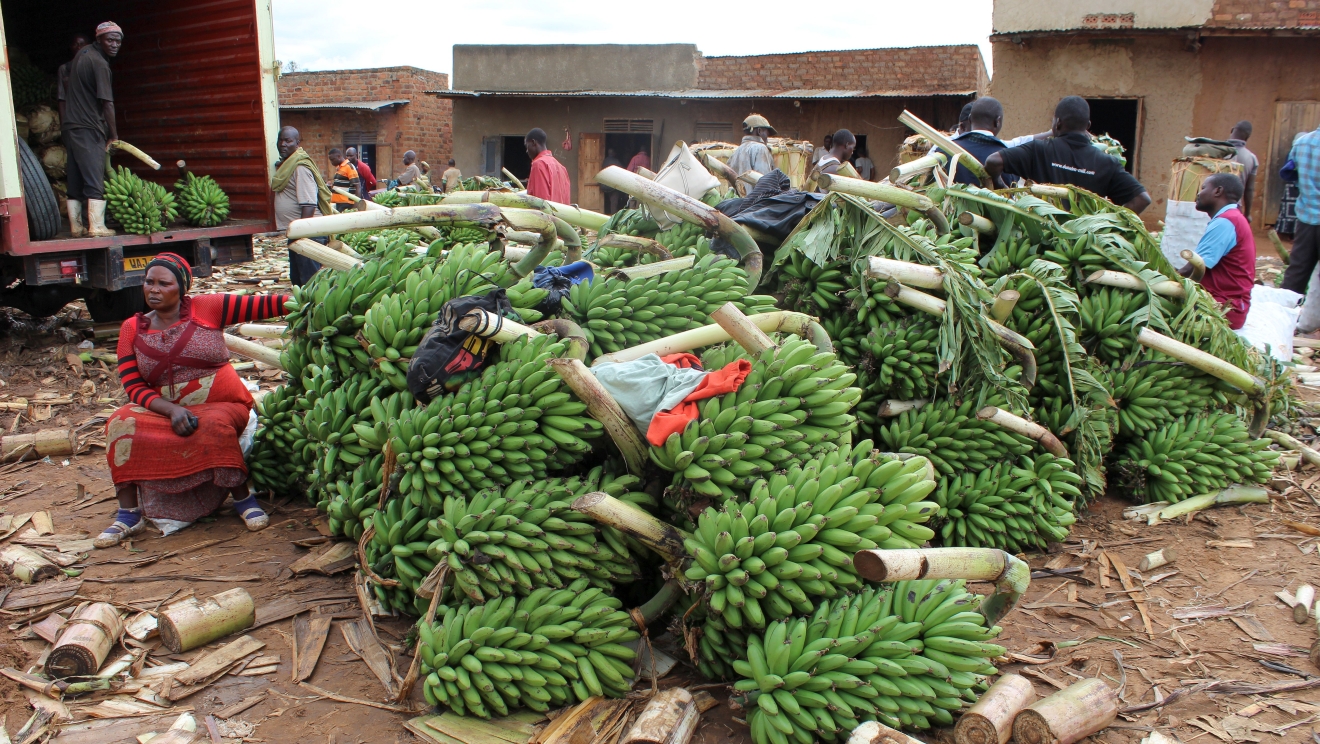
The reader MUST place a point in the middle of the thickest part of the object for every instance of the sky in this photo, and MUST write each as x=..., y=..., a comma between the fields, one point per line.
x=338, y=34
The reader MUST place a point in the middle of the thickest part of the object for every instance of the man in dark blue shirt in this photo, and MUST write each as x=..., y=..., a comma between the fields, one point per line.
x=981, y=139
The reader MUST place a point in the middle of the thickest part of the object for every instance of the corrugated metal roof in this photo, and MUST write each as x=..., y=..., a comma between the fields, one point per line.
x=699, y=93
x=355, y=105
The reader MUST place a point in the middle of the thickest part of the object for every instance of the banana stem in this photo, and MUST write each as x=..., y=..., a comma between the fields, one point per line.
x=263, y=330
x=1004, y=305
x=1067, y=716
x=920, y=166
x=659, y=536
x=602, y=407
x=131, y=150
x=575, y=216
x=720, y=169
x=1231, y=496
x=254, y=351
x=942, y=141
x=528, y=263
x=483, y=215
x=1292, y=443
x=498, y=329
x=990, y=721
x=644, y=271
x=884, y=192
x=426, y=230
x=741, y=329
x=750, y=177
x=1284, y=255
x=1055, y=192
x=1208, y=363
x=1011, y=575
x=327, y=257
x=634, y=243
x=568, y=332
x=1107, y=278
x=1198, y=264
x=891, y=408
x=935, y=306
x=977, y=223
x=914, y=274
x=657, y=606
x=513, y=179
x=1028, y=429
x=780, y=321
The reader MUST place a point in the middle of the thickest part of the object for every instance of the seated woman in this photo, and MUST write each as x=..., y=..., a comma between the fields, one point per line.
x=173, y=450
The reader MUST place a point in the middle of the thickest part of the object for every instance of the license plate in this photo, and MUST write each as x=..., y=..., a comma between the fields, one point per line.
x=137, y=263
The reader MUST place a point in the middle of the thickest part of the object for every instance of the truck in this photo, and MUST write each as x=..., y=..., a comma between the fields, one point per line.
x=194, y=82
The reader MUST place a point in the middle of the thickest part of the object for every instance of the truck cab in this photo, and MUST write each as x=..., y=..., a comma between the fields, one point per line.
x=193, y=82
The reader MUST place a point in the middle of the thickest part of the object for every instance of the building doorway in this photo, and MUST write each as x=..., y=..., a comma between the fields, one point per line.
x=365, y=143
x=1119, y=118
x=625, y=146
x=1290, y=119
x=515, y=158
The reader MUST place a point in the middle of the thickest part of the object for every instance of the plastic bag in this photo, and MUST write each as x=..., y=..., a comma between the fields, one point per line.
x=684, y=173
x=1272, y=321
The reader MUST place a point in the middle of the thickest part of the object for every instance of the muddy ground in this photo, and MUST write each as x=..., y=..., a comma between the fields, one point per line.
x=1230, y=563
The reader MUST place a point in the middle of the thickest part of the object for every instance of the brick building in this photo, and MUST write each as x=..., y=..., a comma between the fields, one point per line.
x=1156, y=72
x=382, y=112
x=595, y=98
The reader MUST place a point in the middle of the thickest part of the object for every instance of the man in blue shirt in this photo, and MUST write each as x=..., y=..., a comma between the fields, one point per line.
x=981, y=140
x=1227, y=247
x=1306, y=240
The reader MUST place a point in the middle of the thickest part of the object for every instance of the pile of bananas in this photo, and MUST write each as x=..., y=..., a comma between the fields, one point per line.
x=203, y=202
x=1018, y=508
x=140, y=207
x=634, y=222
x=618, y=313
x=811, y=288
x=513, y=421
x=951, y=435
x=525, y=537
x=902, y=363
x=31, y=86
x=684, y=239
x=909, y=657
x=550, y=648
x=1153, y=390
x=793, y=404
x=1194, y=455
x=794, y=538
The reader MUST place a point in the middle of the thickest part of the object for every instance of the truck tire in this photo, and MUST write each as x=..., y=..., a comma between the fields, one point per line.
x=43, y=212
x=106, y=306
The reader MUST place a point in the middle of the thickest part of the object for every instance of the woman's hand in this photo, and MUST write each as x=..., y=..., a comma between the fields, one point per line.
x=181, y=420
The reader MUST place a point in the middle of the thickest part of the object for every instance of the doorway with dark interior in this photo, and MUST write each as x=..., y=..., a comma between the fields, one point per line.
x=1120, y=118
x=625, y=146
x=515, y=158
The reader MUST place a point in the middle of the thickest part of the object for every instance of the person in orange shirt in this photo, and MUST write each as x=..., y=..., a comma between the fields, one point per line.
x=549, y=178
x=345, y=177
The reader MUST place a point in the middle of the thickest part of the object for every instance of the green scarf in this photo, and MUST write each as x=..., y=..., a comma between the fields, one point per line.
x=289, y=166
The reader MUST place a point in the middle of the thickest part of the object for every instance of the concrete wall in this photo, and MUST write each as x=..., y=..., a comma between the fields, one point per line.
x=676, y=120
x=1055, y=15
x=424, y=124
x=1184, y=91
x=568, y=67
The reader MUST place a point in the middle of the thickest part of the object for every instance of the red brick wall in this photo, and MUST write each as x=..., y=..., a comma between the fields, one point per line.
x=1265, y=13
x=424, y=124
x=917, y=70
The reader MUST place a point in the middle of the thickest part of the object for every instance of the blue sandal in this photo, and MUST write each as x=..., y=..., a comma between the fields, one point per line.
x=121, y=528
x=253, y=515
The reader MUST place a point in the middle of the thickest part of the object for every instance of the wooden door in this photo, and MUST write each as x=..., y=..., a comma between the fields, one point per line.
x=591, y=153
x=384, y=165
x=1290, y=119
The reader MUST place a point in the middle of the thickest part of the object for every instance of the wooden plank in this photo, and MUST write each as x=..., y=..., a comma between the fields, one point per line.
x=366, y=645
x=240, y=706
x=332, y=560
x=309, y=634
x=47, y=592
x=218, y=660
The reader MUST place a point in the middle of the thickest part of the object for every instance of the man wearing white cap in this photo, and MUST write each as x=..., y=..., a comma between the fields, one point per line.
x=753, y=154
x=89, y=128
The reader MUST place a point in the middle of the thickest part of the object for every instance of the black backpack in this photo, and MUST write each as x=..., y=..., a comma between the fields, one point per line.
x=448, y=356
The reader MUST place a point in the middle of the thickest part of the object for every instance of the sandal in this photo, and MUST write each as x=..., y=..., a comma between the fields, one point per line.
x=120, y=529
x=253, y=515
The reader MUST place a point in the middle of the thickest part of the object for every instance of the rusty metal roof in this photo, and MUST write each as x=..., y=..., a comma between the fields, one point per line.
x=701, y=93
x=354, y=105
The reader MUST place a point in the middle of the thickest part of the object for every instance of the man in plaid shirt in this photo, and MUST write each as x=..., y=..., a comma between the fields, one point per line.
x=1306, y=241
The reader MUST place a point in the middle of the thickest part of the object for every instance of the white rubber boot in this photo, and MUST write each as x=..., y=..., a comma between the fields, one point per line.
x=76, y=227
x=96, y=219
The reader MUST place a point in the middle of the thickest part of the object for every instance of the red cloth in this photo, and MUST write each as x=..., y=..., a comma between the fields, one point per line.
x=549, y=179
x=364, y=173
x=640, y=160
x=719, y=382
x=1230, y=281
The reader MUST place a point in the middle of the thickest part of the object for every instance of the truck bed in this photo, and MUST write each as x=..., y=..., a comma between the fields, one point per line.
x=65, y=242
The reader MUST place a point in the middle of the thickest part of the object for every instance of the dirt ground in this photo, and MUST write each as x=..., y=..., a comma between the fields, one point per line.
x=1213, y=614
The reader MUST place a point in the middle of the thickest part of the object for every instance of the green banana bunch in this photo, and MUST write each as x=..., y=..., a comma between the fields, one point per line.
x=1152, y=392
x=951, y=435
x=1017, y=509
x=1104, y=328
x=684, y=239
x=141, y=207
x=516, y=420
x=794, y=403
x=795, y=536
x=1078, y=256
x=874, y=309
x=528, y=537
x=617, y=313
x=811, y=288
x=454, y=235
x=901, y=356
x=550, y=648
x=270, y=462
x=1194, y=455
x=909, y=657
x=389, y=198
x=365, y=243
x=633, y=222
x=203, y=202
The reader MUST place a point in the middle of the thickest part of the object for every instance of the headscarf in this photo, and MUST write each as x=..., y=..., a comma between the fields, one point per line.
x=178, y=267
x=109, y=27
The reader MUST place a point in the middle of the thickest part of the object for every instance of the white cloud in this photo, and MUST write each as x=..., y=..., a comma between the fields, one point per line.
x=337, y=34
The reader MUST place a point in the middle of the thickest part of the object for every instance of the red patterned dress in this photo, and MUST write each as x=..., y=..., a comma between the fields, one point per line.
x=183, y=478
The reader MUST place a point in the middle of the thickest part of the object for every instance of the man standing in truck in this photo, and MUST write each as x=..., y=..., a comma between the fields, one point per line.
x=80, y=40
x=89, y=128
